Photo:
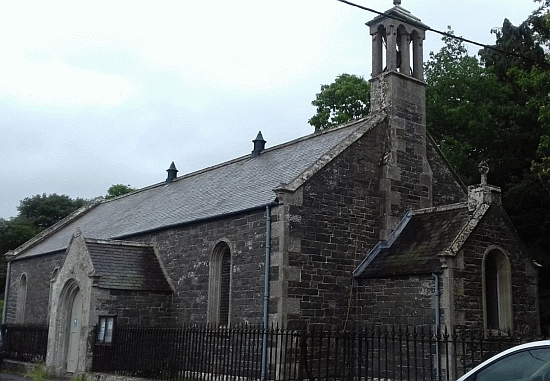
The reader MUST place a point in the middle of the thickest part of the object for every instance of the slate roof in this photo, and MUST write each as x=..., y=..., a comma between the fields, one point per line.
x=237, y=185
x=416, y=247
x=401, y=14
x=127, y=266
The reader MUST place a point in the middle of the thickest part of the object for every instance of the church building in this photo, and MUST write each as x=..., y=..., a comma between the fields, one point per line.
x=364, y=223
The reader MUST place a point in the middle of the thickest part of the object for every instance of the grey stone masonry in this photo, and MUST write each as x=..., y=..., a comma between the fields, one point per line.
x=334, y=222
x=406, y=173
x=186, y=253
x=494, y=231
x=402, y=300
x=39, y=273
x=132, y=308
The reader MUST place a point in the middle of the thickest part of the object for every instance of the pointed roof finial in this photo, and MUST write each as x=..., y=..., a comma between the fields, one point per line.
x=259, y=145
x=396, y=2
x=172, y=173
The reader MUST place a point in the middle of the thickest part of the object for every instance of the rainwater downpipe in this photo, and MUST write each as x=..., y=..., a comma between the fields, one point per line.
x=6, y=293
x=437, y=325
x=266, y=288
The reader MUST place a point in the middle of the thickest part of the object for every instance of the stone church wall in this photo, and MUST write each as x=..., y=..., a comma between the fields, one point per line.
x=39, y=271
x=338, y=223
x=495, y=229
x=337, y=226
x=446, y=188
x=186, y=252
x=145, y=309
x=404, y=300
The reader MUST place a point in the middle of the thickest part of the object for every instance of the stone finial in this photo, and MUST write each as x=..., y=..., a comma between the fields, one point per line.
x=172, y=173
x=259, y=145
x=483, y=168
x=396, y=2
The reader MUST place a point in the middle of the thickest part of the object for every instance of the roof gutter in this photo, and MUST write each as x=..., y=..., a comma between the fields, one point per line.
x=198, y=220
x=154, y=230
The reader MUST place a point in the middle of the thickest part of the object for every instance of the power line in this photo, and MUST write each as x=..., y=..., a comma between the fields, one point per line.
x=490, y=47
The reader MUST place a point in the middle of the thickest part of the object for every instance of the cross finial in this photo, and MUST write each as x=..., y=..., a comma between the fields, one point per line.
x=483, y=170
x=396, y=2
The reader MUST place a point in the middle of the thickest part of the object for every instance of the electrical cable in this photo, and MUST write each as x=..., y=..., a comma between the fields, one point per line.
x=490, y=47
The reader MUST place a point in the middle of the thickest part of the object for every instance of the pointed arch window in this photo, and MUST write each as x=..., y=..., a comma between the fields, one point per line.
x=21, y=300
x=219, y=293
x=497, y=292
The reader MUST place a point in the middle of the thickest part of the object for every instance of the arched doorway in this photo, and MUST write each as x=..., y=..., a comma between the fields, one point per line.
x=65, y=329
x=74, y=332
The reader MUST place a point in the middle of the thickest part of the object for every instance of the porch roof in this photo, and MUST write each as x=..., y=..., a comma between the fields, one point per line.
x=126, y=266
x=417, y=244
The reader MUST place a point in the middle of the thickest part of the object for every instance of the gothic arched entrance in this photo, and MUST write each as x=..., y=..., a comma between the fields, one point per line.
x=74, y=332
x=65, y=329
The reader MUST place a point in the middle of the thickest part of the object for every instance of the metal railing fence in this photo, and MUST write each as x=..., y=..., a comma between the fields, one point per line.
x=374, y=353
x=25, y=342
x=194, y=352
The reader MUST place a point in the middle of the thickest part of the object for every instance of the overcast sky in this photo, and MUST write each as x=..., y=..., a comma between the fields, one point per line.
x=106, y=92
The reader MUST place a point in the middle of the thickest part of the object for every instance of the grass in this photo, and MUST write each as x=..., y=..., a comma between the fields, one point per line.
x=80, y=377
x=39, y=373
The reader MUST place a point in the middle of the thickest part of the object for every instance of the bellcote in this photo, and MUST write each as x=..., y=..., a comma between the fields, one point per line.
x=399, y=91
x=402, y=36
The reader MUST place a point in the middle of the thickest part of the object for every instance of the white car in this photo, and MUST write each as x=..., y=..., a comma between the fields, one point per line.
x=525, y=362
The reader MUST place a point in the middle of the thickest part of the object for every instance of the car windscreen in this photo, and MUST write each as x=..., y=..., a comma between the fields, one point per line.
x=525, y=365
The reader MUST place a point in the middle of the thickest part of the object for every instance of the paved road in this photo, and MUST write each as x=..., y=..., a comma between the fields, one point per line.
x=12, y=377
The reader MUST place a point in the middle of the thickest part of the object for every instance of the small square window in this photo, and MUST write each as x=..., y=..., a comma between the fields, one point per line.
x=105, y=329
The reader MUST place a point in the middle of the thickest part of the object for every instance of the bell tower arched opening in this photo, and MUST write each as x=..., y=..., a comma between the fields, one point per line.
x=397, y=43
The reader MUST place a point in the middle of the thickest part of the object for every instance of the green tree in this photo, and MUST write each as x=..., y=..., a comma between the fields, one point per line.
x=44, y=210
x=118, y=190
x=344, y=100
x=526, y=75
x=460, y=96
x=488, y=110
x=474, y=115
x=522, y=42
x=35, y=214
x=532, y=79
x=15, y=232
x=541, y=165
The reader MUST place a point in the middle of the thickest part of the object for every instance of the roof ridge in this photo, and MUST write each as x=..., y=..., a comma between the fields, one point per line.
x=267, y=150
x=241, y=158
